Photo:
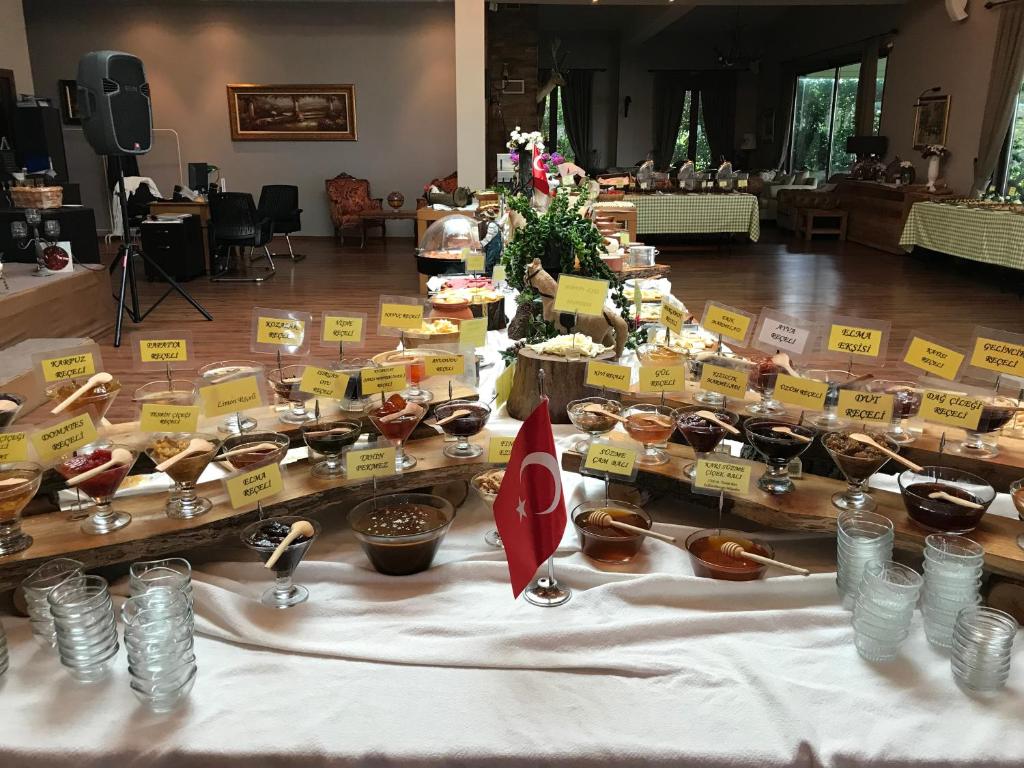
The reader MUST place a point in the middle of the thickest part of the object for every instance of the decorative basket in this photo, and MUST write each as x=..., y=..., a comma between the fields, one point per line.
x=37, y=197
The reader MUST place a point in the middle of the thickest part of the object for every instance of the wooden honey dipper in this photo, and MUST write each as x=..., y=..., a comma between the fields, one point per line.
x=732, y=549
x=605, y=520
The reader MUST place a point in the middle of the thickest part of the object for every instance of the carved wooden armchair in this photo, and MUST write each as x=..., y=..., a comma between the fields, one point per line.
x=448, y=184
x=348, y=197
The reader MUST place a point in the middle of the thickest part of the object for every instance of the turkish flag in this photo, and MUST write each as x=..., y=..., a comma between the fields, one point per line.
x=540, y=175
x=530, y=509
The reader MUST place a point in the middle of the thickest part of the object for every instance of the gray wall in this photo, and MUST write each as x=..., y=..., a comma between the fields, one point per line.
x=932, y=50
x=13, y=45
x=399, y=56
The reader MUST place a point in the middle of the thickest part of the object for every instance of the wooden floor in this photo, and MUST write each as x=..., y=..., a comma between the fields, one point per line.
x=806, y=280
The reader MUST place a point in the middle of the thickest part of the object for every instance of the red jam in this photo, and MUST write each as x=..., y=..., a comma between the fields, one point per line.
x=103, y=485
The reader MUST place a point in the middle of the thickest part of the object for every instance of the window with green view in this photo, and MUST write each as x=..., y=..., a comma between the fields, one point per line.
x=699, y=150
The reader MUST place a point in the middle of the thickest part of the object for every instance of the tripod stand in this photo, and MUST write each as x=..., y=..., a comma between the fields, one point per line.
x=125, y=259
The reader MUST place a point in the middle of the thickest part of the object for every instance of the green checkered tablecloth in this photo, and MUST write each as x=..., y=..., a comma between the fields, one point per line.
x=693, y=214
x=994, y=237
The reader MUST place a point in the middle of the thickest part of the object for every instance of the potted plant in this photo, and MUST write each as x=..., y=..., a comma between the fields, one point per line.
x=934, y=153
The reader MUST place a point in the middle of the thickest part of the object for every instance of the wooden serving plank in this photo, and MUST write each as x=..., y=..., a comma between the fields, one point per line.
x=809, y=508
x=152, y=534
x=999, y=471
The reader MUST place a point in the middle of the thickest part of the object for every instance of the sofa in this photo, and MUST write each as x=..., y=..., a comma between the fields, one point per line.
x=774, y=182
x=791, y=199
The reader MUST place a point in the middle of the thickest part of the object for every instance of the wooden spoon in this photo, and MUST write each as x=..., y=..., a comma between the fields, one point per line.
x=723, y=424
x=195, y=445
x=605, y=519
x=595, y=408
x=409, y=408
x=856, y=380
x=862, y=438
x=8, y=405
x=13, y=481
x=782, y=360
x=654, y=418
x=790, y=433
x=118, y=457
x=97, y=378
x=955, y=500
x=249, y=449
x=732, y=549
x=458, y=413
x=299, y=528
x=328, y=431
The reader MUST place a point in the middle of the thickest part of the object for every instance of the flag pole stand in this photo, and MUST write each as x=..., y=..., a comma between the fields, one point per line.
x=546, y=591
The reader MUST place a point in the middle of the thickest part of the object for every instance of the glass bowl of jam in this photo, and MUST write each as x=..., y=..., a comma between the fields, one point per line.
x=590, y=423
x=185, y=501
x=263, y=537
x=101, y=487
x=330, y=439
x=1017, y=496
x=710, y=562
x=996, y=412
x=770, y=438
x=463, y=427
x=701, y=434
x=95, y=401
x=401, y=532
x=164, y=392
x=608, y=544
x=651, y=426
x=274, y=450
x=19, y=481
x=942, y=514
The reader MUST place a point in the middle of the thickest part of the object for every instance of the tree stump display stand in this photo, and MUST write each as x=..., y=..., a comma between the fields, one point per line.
x=563, y=381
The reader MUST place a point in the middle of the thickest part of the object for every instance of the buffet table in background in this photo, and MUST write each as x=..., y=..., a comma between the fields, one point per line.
x=697, y=214
x=991, y=237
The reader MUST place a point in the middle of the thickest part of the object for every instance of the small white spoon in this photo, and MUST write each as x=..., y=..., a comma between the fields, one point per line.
x=97, y=378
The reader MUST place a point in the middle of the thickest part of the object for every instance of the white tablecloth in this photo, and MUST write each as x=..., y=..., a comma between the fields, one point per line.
x=646, y=665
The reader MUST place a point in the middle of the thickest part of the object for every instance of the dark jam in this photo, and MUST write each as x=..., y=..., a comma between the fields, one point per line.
x=763, y=376
x=858, y=461
x=711, y=562
x=610, y=544
x=905, y=402
x=103, y=485
x=272, y=533
x=397, y=521
x=994, y=417
x=940, y=514
x=251, y=457
x=331, y=443
x=594, y=423
x=702, y=435
x=778, y=445
x=464, y=426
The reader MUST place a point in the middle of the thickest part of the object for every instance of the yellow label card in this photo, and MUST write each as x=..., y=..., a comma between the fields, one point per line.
x=444, y=365
x=667, y=378
x=933, y=358
x=283, y=331
x=231, y=396
x=387, y=378
x=864, y=406
x=611, y=459
x=464, y=253
x=998, y=356
x=723, y=475
x=951, y=410
x=503, y=386
x=323, y=382
x=725, y=381
x=808, y=394
x=68, y=367
x=370, y=462
x=56, y=440
x=623, y=238
x=341, y=328
x=402, y=316
x=608, y=375
x=499, y=449
x=730, y=324
x=475, y=262
x=154, y=417
x=851, y=340
x=498, y=274
x=13, y=446
x=583, y=295
x=255, y=485
x=473, y=333
x=672, y=317
x=163, y=350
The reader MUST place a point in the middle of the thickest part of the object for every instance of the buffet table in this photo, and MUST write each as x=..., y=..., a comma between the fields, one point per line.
x=646, y=664
x=992, y=237
x=697, y=214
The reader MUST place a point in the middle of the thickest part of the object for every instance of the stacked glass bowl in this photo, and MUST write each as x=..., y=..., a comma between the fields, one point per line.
x=982, y=646
x=860, y=538
x=952, y=580
x=884, y=608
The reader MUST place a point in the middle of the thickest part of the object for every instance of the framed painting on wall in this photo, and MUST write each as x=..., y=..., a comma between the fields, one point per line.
x=69, y=102
x=931, y=121
x=292, y=112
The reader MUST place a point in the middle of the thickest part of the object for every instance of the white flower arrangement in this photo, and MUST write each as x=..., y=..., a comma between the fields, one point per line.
x=530, y=140
x=906, y=164
x=935, y=150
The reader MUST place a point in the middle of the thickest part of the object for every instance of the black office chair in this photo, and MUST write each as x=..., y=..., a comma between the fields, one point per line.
x=280, y=204
x=235, y=223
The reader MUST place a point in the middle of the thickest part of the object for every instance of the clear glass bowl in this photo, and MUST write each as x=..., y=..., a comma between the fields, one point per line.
x=940, y=514
x=380, y=527
x=185, y=502
x=19, y=481
x=608, y=544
